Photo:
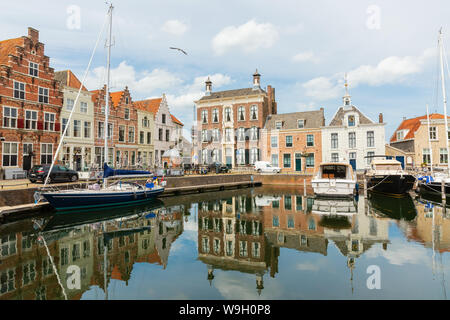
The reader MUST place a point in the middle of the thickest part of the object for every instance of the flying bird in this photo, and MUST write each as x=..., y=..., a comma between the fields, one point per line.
x=178, y=50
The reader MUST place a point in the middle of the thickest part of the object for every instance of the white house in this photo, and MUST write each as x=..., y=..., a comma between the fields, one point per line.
x=351, y=136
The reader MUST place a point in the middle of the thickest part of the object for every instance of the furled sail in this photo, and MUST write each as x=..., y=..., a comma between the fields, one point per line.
x=108, y=172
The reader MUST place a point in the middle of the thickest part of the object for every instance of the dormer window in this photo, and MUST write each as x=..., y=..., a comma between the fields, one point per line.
x=278, y=125
x=400, y=135
x=300, y=123
x=351, y=121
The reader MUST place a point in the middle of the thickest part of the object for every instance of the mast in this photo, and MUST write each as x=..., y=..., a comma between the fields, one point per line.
x=444, y=96
x=108, y=66
x=429, y=142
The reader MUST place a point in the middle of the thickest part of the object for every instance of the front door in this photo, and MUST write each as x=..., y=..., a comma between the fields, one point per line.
x=27, y=156
x=353, y=164
x=298, y=162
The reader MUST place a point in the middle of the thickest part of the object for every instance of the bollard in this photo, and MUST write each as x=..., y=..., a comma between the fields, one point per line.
x=304, y=187
x=443, y=190
x=365, y=187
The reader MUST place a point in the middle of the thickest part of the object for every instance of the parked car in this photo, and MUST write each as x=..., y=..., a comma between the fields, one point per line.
x=58, y=174
x=217, y=167
x=265, y=166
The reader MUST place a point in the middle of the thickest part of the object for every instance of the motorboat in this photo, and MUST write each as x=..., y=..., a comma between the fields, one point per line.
x=387, y=176
x=334, y=180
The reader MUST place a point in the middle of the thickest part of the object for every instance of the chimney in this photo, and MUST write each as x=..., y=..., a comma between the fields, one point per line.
x=322, y=110
x=256, y=78
x=208, y=87
x=33, y=34
x=380, y=118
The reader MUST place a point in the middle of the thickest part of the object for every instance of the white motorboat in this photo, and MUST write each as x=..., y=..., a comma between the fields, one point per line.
x=334, y=180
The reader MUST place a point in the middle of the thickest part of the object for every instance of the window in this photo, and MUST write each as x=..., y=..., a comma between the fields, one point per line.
x=275, y=160
x=335, y=157
x=240, y=155
x=205, y=245
x=254, y=112
x=310, y=140
x=76, y=128
x=8, y=245
x=47, y=268
x=227, y=114
x=87, y=129
x=256, y=249
x=352, y=140
x=243, y=248
x=163, y=118
x=46, y=153
x=34, y=69
x=254, y=133
x=64, y=256
x=370, y=155
x=288, y=141
x=433, y=133
x=127, y=114
x=121, y=133
x=290, y=222
x=28, y=273
x=76, y=252
x=216, y=246
x=351, y=121
x=10, y=154
x=167, y=135
x=311, y=224
x=131, y=134
x=300, y=124
x=69, y=104
x=241, y=113
x=228, y=134
x=83, y=107
x=278, y=125
x=7, y=280
x=274, y=141
x=310, y=160
x=145, y=122
x=426, y=156
x=254, y=155
x=275, y=221
x=241, y=134
x=352, y=155
x=443, y=156
x=30, y=119
x=149, y=137
x=370, y=139
x=334, y=141
x=287, y=202
x=204, y=135
x=215, y=115
x=298, y=203
x=286, y=160
x=204, y=116
x=9, y=117
x=19, y=90
x=141, y=137
x=229, y=248
x=43, y=95
x=400, y=135
x=64, y=125
x=49, y=121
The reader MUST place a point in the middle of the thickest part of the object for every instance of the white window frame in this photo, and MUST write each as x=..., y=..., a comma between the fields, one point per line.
x=227, y=111
x=32, y=120
x=10, y=153
x=307, y=136
x=253, y=111
x=43, y=95
x=33, y=69
x=370, y=139
x=51, y=124
x=124, y=131
x=74, y=128
x=70, y=104
x=302, y=121
x=241, y=110
x=127, y=114
x=63, y=126
x=20, y=90
x=215, y=113
x=83, y=107
x=274, y=141
x=435, y=133
x=46, y=153
x=443, y=152
x=10, y=117
x=204, y=115
x=279, y=125
x=87, y=127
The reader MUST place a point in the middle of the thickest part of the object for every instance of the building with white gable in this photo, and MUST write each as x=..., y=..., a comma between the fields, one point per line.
x=351, y=136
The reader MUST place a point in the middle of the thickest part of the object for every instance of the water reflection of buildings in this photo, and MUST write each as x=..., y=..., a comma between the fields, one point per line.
x=231, y=237
x=26, y=271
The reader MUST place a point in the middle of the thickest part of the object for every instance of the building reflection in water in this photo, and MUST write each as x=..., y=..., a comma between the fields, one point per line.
x=26, y=271
x=244, y=231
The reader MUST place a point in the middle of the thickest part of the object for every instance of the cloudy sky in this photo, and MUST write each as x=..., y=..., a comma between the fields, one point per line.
x=302, y=48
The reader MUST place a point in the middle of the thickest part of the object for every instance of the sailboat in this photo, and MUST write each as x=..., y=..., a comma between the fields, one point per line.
x=437, y=182
x=103, y=195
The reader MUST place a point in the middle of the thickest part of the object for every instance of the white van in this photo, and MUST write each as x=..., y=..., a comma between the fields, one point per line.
x=265, y=166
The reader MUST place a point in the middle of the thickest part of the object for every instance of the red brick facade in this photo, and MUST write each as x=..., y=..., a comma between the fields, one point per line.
x=30, y=103
x=124, y=119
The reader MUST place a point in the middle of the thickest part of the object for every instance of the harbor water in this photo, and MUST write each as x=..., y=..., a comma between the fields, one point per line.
x=260, y=243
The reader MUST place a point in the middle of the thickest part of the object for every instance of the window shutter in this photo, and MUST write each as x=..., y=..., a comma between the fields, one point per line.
x=40, y=125
x=246, y=156
x=57, y=126
x=20, y=123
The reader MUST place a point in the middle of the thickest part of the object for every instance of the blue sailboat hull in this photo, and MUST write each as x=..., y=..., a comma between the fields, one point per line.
x=70, y=201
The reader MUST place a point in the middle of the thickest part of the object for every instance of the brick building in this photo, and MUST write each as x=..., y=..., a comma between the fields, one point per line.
x=30, y=103
x=293, y=141
x=229, y=123
x=122, y=128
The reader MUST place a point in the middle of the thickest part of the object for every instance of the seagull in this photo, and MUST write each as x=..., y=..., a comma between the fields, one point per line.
x=178, y=50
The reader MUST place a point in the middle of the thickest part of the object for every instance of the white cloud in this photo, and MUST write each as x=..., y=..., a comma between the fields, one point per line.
x=305, y=57
x=174, y=27
x=248, y=37
x=391, y=70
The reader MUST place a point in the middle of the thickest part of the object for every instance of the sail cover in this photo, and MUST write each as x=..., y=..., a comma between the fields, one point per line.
x=108, y=172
